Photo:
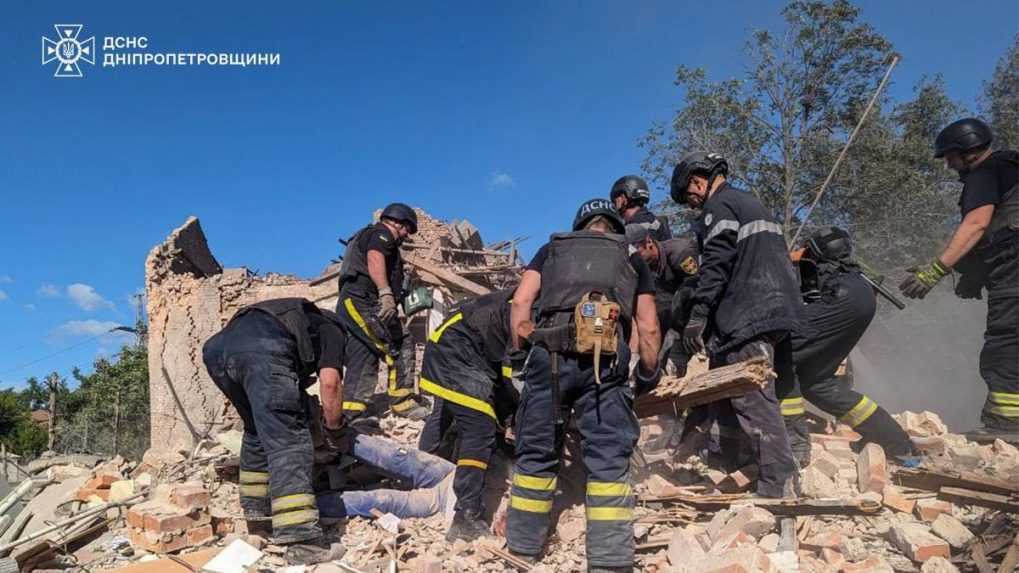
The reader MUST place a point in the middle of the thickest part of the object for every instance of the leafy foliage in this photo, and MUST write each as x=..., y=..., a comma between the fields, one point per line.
x=1000, y=102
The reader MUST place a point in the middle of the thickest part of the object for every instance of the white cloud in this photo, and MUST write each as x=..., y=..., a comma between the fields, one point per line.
x=30, y=307
x=500, y=179
x=48, y=291
x=84, y=328
x=86, y=297
x=3, y=295
x=6, y=279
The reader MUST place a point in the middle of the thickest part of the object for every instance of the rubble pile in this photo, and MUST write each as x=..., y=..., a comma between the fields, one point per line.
x=860, y=513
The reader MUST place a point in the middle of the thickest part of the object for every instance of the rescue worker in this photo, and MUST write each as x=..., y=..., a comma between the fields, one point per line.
x=262, y=361
x=840, y=304
x=985, y=249
x=673, y=263
x=371, y=286
x=630, y=196
x=464, y=369
x=746, y=305
x=584, y=280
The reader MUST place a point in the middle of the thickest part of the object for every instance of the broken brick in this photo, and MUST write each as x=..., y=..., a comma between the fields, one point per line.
x=938, y=565
x=872, y=564
x=158, y=543
x=929, y=509
x=952, y=530
x=683, y=546
x=740, y=480
x=871, y=469
x=101, y=481
x=749, y=559
x=915, y=541
x=817, y=485
x=828, y=539
x=751, y=520
x=85, y=493
x=833, y=558
x=892, y=497
x=189, y=496
x=199, y=535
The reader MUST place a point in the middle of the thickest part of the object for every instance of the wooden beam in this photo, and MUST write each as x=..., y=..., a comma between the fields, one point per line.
x=786, y=507
x=979, y=498
x=935, y=480
x=673, y=395
x=445, y=275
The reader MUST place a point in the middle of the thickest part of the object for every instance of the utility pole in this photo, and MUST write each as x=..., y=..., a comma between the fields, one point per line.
x=52, y=384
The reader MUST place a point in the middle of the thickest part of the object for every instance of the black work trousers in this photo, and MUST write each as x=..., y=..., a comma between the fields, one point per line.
x=475, y=440
x=756, y=413
x=369, y=342
x=608, y=430
x=253, y=362
x=999, y=358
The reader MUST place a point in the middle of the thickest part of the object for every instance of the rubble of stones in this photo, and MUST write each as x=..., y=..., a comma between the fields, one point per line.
x=180, y=512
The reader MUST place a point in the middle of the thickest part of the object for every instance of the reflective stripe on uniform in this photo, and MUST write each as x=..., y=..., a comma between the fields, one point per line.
x=295, y=501
x=294, y=517
x=352, y=311
x=720, y=226
x=607, y=488
x=507, y=372
x=609, y=513
x=467, y=462
x=1006, y=411
x=254, y=489
x=860, y=412
x=535, y=482
x=438, y=331
x=1005, y=398
x=531, y=505
x=758, y=226
x=355, y=406
x=793, y=407
x=248, y=476
x=457, y=397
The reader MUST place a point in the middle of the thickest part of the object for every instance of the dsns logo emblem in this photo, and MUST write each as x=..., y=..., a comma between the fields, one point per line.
x=67, y=50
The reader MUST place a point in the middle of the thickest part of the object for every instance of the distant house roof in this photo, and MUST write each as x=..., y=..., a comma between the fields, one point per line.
x=41, y=417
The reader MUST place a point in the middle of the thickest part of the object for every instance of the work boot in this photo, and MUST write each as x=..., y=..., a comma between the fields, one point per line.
x=531, y=559
x=419, y=411
x=368, y=425
x=988, y=433
x=260, y=526
x=313, y=551
x=600, y=569
x=468, y=525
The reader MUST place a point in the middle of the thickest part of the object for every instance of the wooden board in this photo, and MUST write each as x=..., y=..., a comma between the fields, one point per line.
x=979, y=498
x=934, y=480
x=673, y=395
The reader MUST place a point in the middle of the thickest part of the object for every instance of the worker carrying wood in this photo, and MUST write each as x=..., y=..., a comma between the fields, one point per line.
x=840, y=304
x=262, y=361
x=985, y=251
x=371, y=286
x=466, y=367
x=746, y=304
x=589, y=290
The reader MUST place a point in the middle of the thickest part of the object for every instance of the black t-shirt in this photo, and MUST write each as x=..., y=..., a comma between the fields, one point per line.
x=378, y=238
x=329, y=341
x=645, y=279
x=988, y=182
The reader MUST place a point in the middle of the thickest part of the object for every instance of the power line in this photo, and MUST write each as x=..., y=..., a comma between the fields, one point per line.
x=56, y=353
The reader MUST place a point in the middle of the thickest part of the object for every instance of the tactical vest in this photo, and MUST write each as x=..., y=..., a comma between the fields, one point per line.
x=1006, y=213
x=355, y=264
x=292, y=313
x=581, y=262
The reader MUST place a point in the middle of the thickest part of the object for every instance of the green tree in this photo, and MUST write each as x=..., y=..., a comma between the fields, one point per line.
x=1000, y=101
x=109, y=410
x=34, y=396
x=782, y=123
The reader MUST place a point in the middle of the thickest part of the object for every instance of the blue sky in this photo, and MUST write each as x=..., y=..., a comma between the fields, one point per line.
x=506, y=114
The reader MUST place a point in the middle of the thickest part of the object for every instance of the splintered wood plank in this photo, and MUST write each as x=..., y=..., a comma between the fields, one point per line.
x=677, y=394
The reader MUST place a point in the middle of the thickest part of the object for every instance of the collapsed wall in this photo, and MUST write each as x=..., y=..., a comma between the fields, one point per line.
x=191, y=297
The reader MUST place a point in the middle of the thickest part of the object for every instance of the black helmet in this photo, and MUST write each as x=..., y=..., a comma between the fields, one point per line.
x=633, y=187
x=402, y=213
x=710, y=164
x=595, y=207
x=637, y=233
x=964, y=135
x=829, y=243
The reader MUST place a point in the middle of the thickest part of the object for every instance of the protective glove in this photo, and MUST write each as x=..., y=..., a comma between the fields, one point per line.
x=644, y=384
x=693, y=335
x=339, y=440
x=387, y=305
x=969, y=286
x=923, y=279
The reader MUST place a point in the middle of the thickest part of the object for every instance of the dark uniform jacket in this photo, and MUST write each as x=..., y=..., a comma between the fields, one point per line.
x=464, y=357
x=677, y=268
x=747, y=286
x=658, y=228
x=354, y=279
x=992, y=263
